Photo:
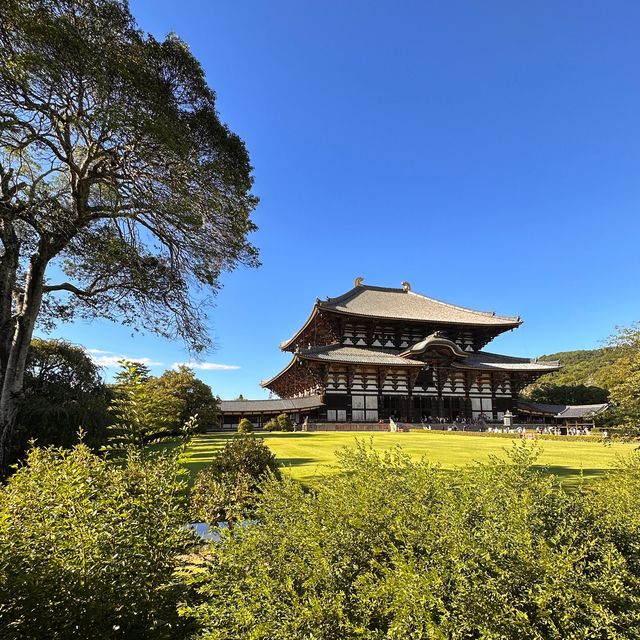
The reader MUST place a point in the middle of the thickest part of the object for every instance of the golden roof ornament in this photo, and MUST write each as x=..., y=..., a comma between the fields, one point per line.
x=406, y=287
x=358, y=281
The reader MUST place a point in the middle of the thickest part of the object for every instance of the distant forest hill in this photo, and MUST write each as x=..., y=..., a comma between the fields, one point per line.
x=585, y=378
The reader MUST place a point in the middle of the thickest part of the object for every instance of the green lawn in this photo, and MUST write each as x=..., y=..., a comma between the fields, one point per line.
x=310, y=456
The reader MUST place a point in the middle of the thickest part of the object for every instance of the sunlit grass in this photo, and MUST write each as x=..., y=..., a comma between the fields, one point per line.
x=309, y=457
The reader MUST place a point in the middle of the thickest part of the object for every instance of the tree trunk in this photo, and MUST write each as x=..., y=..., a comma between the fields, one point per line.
x=24, y=322
x=9, y=264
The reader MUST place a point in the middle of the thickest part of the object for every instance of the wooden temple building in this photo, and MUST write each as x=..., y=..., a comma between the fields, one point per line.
x=375, y=352
x=582, y=416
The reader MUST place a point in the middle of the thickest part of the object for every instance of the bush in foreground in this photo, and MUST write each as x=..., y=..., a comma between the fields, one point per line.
x=397, y=549
x=227, y=489
x=89, y=548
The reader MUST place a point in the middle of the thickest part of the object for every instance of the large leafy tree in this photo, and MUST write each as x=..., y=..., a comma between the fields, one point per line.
x=549, y=393
x=148, y=410
x=185, y=396
x=122, y=195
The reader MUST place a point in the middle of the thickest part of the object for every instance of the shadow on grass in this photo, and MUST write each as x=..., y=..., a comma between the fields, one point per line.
x=201, y=459
x=282, y=434
x=223, y=436
x=204, y=454
x=570, y=472
x=294, y=462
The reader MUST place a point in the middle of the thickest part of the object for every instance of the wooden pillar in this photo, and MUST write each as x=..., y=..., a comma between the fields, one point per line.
x=382, y=376
x=457, y=402
x=370, y=332
x=410, y=381
x=348, y=405
x=398, y=336
x=468, y=381
x=494, y=387
x=440, y=378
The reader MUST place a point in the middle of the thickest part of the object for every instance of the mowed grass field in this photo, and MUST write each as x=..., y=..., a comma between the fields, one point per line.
x=309, y=457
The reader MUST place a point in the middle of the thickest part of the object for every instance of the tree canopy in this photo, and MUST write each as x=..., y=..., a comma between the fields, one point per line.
x=595, y=376
x=586, y=377
x=549, y=393
x=115, y=171
x=187, y=397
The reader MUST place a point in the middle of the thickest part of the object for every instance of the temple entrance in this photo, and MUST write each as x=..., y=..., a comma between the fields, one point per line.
x=418, y=408
x=482, y=407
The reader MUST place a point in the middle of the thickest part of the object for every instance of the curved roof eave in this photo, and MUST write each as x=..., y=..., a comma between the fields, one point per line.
x=523, y=367
x=287, y=343
x=265, y=383
x=434, y=341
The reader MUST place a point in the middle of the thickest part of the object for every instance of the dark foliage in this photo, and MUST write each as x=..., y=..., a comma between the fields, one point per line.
x=64, y=392
x=568, y=394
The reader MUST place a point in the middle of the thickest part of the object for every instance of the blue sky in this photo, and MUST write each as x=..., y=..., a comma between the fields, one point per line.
x=487, y=152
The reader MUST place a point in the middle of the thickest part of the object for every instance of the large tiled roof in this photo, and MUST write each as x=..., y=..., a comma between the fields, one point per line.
x=495, y=361
x=398, y=304
x=356, y=355
x=271, y=406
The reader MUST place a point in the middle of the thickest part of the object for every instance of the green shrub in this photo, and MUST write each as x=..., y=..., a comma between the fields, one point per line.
x=284, y=422
x=397, y=549
x=89, y=548
x=272, y=425
x=221, y=498
x=245, y=426
x=227, y=489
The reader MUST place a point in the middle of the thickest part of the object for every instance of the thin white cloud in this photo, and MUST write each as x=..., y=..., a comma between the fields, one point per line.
x=206, y=366
x=112, y=360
